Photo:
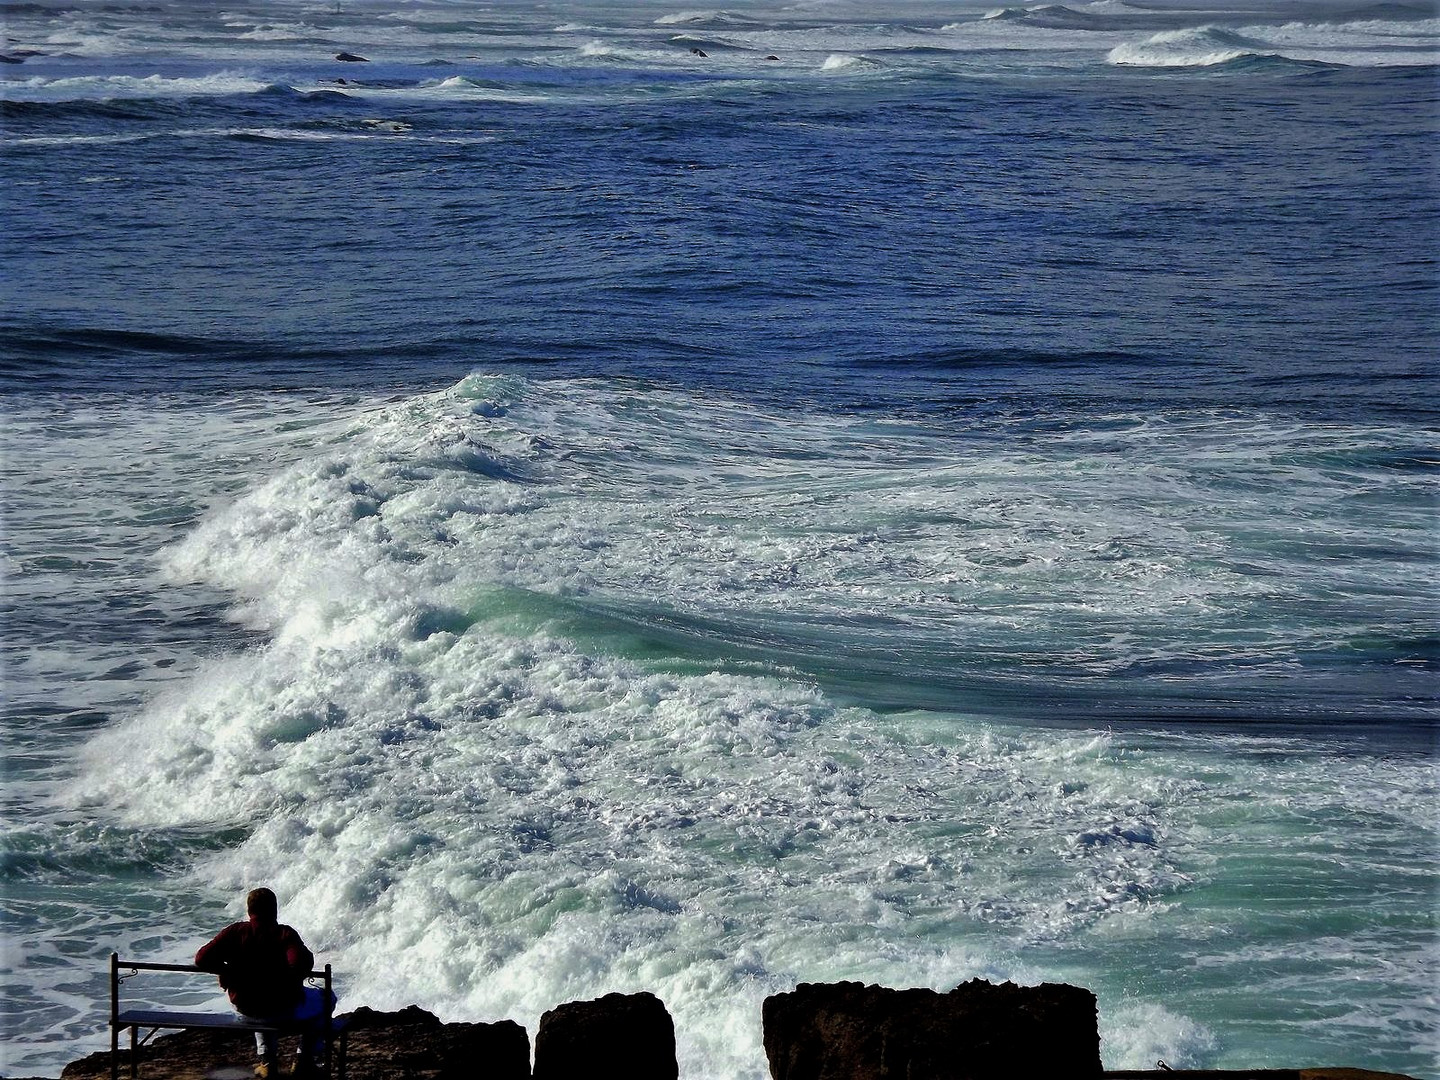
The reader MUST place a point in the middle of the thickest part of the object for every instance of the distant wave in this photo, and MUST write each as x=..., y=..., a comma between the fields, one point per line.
x=36, y=350
x=1112, y=7
x=847, y=62
x=142, y=98
x=1294, y=44
x=599, y=48
x=463, y=82
x=707, y=18
x=982, y=358
x=1389, y=12
x=284, y=32
x=1097, y=17
x=130, y=87
x=1057, y=16
x=708, y=44
x=1107, y=12
x=449, y=88
x=920, y=50
x=367, y=129
x=1204, y=47
x=112, y=103
x=1368, y=28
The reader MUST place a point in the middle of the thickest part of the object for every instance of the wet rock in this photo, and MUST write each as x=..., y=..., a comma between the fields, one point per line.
x=629, y=1035
x=351, y=58
x=848, y=1031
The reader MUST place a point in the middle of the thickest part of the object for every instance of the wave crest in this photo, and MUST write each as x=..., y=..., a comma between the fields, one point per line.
x=1054, y=16
x=40, y=89
x=846, y=62
x=706, y=18
x=1203, y=47
x=1350, y=44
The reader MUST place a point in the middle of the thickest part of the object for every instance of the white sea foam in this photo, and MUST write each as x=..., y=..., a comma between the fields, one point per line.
x=493, y=824
x=120, y=87
x=445, y=759
x=845, y=62
x=1149, y=1033
x=84, y=38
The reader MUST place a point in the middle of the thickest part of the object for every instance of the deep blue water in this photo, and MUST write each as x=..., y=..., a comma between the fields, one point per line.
x=1199, y=239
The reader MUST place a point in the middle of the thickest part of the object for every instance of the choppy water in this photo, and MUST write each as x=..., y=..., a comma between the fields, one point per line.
x=573, y=515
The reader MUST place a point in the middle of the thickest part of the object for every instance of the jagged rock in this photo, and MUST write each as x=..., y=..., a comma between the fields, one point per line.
x=978, y=1031
x=182, y=1055
x=351, y=58
x=629, y=1035
x=411, y=1043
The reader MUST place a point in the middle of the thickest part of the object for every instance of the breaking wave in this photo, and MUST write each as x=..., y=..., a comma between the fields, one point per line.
x=1366, y=44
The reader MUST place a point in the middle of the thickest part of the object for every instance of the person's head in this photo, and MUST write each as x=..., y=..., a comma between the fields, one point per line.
x=261, y=906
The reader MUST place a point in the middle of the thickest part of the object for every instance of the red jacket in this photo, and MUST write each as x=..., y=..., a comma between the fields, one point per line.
x=262, y=965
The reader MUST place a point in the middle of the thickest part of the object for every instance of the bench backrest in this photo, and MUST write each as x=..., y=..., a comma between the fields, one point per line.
x=134, y=967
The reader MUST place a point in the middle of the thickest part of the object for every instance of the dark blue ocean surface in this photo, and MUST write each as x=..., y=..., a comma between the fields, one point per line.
x=598, y=498
x=1262, y=237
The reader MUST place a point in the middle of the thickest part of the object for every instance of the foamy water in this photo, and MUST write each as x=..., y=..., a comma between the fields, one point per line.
x=508, y=738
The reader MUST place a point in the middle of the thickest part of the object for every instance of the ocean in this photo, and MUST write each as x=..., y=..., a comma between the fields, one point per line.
x=611, y=497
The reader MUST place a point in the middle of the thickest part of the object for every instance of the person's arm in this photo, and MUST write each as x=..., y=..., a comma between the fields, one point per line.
x=298, y=958
x=215, y=953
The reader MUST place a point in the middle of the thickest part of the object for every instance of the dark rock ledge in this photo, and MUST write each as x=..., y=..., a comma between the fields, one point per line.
x=835, y=1031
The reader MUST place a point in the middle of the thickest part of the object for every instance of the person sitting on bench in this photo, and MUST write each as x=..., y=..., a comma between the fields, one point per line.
x=263, y=964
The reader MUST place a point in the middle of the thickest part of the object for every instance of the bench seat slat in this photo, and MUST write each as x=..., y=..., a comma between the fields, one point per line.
x=229, y=1021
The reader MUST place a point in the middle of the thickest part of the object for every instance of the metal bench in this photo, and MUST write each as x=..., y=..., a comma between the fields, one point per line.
x=154, y=1020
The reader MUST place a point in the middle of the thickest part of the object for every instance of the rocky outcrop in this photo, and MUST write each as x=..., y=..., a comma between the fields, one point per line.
x=849, y=1031
x=629, y=1035
x=839, y=1031
x=411, y=1043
